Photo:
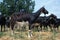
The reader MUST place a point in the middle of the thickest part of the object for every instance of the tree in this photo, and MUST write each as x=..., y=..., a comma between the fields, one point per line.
x=10, y=6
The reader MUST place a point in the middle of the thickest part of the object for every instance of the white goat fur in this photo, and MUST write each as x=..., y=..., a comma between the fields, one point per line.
x=19, y=25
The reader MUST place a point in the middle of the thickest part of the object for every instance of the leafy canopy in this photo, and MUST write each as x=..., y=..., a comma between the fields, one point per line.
x=10, y=6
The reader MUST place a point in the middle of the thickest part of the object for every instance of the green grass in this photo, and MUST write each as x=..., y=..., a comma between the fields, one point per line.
x=2, y=34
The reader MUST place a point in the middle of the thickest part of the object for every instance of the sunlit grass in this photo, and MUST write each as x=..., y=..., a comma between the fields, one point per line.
x=23, y=35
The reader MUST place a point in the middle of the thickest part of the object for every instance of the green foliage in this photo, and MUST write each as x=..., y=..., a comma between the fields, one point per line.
x=10, y=6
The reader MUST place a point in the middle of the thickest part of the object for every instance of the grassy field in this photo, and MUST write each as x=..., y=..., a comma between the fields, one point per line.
x=19, y=35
